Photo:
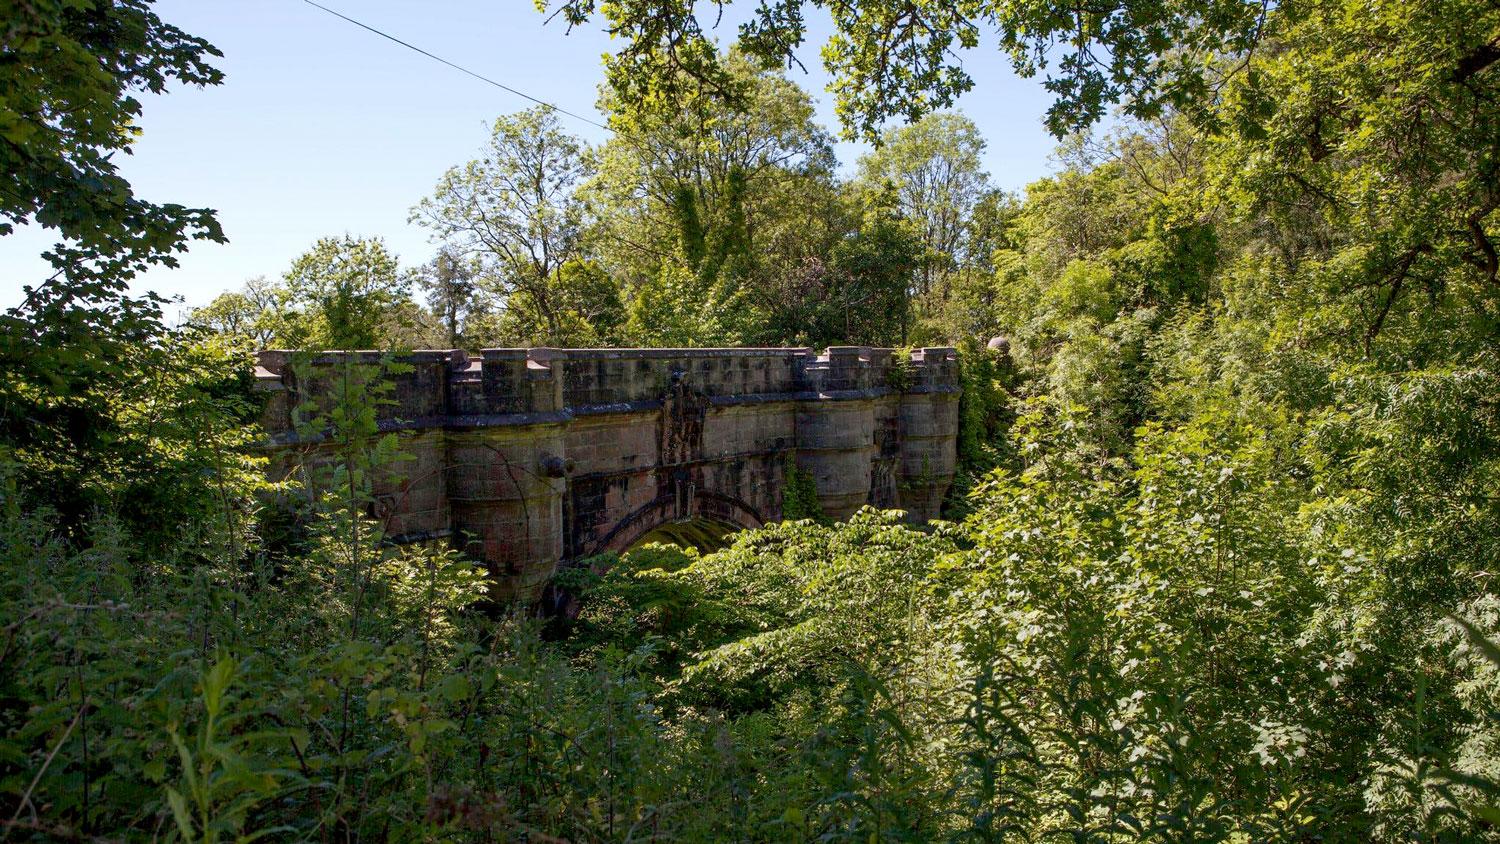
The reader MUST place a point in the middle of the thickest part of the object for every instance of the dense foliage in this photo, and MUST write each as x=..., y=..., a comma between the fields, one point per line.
x=1220, y=566
x=702, y=223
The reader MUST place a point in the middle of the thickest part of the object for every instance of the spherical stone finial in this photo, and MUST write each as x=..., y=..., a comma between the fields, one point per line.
x=556, y=467
x=999, y=344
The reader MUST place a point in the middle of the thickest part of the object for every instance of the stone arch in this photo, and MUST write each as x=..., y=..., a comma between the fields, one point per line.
x=698, y=532
x=708, y=505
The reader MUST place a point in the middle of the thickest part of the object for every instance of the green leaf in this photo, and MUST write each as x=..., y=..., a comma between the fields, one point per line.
x=180, y=813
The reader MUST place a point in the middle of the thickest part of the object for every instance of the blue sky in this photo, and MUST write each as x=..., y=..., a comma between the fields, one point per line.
x=322, y=128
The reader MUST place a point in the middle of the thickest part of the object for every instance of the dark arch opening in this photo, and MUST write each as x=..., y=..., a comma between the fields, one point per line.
x=702, y=534
x=704, y=531
x=713, y=518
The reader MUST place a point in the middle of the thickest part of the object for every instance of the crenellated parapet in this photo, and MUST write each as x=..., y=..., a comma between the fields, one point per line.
x=530, y=457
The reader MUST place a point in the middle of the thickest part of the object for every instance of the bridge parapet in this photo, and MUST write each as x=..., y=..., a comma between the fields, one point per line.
x=529, y=457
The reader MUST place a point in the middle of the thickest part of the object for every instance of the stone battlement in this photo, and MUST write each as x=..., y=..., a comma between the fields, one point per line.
x=520, y=383
x=531, y=458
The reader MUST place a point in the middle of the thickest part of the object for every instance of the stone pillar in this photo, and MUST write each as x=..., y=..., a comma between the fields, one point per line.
x=836, y=430
x=505, y=483
x=929, y=433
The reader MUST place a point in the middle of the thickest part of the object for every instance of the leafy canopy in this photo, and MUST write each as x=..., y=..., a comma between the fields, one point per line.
x=894, y=58
x=71, y=76
x=341, y=289
x=515, y=210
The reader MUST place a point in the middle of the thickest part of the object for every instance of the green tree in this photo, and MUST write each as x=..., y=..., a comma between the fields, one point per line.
x=516, y=210
x=71, y=76
x=1379, y=202
x=585, y=310
x=71, y=73
x=670, y=309
x=252, y=314
x=451, y=282
x=936, y=180
x=858, y=294
x=1367, y=139
x=730, y=194
x=903, y=57
x=342, y=290
x=229, y=314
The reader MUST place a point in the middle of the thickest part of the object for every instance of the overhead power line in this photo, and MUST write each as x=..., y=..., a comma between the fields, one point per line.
x=458, y=67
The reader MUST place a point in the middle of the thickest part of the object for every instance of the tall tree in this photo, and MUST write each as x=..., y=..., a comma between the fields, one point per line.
x=70, y=75
x=699, y=201
x=344, y=289
x=857, y=293
x=1380, y=119
x=450, y=281
x=933, y=172
x=1368, y=146
x=584, y=309
x=893, y=58
x=516, y=209
x=253, y=313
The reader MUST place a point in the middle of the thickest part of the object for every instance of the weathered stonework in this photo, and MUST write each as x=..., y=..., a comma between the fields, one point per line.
x=526, y=458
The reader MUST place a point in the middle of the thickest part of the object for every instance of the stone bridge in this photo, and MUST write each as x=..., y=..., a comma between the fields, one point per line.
x=527, y=458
